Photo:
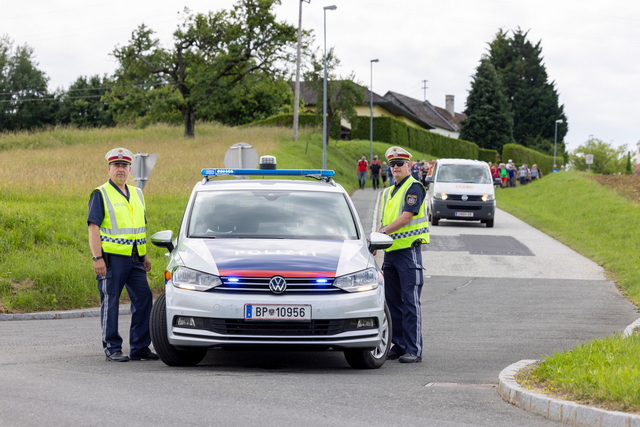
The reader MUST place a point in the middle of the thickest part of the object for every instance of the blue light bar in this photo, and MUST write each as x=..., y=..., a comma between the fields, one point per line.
x=267, y=172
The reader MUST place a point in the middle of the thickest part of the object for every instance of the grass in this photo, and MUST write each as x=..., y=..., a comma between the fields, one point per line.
x=601, y=225
x=47, y=177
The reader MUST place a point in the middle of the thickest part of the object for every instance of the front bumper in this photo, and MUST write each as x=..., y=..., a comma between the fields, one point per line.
x=220, y=320
x=465, y=211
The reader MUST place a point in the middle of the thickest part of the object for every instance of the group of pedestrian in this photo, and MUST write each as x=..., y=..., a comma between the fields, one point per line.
x=509, y=173
x=381, y=172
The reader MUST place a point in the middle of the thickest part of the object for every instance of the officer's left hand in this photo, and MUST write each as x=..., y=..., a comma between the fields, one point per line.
x=147, y=264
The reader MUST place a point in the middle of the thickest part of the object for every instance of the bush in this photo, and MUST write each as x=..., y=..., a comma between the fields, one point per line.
x=523, y=155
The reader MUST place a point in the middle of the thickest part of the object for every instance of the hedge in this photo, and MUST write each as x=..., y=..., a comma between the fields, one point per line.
x=489, y=155
x=523, y=155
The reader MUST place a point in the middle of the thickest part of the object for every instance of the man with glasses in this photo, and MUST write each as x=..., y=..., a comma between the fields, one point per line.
x=117, y=239
x=404, y=219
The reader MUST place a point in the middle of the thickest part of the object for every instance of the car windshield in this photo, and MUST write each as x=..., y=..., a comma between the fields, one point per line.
x=271, y=215
x=464, y=173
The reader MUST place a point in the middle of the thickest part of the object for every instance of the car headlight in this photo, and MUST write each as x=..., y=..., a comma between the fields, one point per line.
x=192, y=280
x=441, y=196
x=365, y=280
x=487, y=197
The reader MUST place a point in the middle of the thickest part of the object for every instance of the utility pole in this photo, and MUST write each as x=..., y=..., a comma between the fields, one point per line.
x=296, y=101
x=424, y=82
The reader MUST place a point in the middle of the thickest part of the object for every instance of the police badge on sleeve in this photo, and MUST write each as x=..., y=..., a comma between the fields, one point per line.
x=412, y=199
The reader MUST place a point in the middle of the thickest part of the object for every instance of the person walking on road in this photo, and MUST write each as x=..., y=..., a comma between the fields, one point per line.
x=375, y=172
x=404, y=219
x=362, y=171
x=117, y=239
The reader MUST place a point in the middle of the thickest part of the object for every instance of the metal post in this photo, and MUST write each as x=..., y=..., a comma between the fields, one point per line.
x=297, y=87
x=324, y=92
x=371, y=115
x=555, y=141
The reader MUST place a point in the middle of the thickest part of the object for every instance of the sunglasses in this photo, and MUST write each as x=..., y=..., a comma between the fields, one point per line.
x=397, y=163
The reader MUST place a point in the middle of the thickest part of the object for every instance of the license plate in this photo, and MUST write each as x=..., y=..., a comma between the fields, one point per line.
x=465, y=214
x=277, y=312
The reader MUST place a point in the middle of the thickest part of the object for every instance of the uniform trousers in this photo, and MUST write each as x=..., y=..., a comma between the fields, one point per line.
x=125, y=271
x=403, y=286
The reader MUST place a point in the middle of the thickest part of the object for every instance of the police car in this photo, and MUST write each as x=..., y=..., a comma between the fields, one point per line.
x=271, y=262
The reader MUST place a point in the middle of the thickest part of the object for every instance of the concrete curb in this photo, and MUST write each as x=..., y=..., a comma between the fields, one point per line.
x=52, y=315
x=564, y=411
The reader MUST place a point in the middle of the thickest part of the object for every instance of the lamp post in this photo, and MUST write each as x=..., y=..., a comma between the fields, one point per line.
x=296, y=102
x=324, y=92
x=371, y=114
x=555, y=141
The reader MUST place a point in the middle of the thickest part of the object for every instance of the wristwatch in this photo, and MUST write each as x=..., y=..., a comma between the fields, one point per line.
x=95, y=258
x=383, y=230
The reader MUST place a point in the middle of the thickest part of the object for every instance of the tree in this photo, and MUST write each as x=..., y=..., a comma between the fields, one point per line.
x=82, y=104
x=606, y=158
x=25, y=102
x=489, y=122
x=343, y=94
x=533, y=100
x=211, y=56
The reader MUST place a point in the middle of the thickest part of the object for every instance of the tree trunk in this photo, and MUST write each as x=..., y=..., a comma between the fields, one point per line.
x=189, y=117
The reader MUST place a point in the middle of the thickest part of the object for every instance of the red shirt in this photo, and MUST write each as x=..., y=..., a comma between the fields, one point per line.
x=362, y=165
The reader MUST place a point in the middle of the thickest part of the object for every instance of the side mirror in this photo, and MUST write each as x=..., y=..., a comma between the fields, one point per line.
x=163, y=239
x=429, y=179
x=379, y=241
x=497, y=181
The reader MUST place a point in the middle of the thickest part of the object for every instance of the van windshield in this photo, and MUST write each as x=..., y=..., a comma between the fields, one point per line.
x=464, y=173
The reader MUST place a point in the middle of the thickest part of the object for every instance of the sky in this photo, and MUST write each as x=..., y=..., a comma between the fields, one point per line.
x=591, y=49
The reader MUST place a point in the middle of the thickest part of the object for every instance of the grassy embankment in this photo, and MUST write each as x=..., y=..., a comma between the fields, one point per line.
x=602, y=226
x=47, y=177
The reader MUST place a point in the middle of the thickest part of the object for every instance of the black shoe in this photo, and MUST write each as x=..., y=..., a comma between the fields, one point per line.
x=145, y=354
x=395, y=353
x=410, y=358
x=117, y=357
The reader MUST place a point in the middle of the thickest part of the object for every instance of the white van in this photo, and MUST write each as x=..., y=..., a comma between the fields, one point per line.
x=461, y=189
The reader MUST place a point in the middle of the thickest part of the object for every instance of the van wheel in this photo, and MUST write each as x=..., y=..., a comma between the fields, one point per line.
x=434, y=220
x=489, y=223
x=373, y=359
x=168, y=353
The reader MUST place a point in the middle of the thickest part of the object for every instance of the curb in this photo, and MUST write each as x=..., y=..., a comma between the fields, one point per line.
x=564, y=411
x=52, y=315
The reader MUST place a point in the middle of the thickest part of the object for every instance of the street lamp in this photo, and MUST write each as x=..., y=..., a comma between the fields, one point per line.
x=324, y=92
x=297, y=88
x=371, y=114
x=555, y=141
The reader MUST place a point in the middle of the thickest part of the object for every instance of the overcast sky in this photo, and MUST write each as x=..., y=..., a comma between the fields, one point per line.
x=591, y=48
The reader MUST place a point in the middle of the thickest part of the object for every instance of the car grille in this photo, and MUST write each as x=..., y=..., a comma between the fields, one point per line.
x=458, y=197
x=464, y=208
x=261, y=284
x=244, y=327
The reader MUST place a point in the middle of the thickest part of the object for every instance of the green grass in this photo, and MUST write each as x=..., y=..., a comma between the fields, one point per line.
x=47, y=177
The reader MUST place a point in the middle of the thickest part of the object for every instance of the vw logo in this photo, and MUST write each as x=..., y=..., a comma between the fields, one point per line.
x=465, y=197
x=277, y=284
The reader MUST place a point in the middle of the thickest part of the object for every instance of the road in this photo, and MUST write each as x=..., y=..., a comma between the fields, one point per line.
x=491, y=297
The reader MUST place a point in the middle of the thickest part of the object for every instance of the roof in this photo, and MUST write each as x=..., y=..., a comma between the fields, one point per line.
x=434, y=116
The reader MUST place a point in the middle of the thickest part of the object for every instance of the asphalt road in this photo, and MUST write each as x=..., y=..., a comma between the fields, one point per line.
x=492, y=297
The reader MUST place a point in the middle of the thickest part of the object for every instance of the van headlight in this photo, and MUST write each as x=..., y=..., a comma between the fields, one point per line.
x=192, y=280
x=487, y=197
x=365, y=280
x=441, y=196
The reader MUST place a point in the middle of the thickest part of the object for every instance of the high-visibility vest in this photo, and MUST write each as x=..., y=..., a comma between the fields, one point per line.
x=124, y=221
x=416, y=230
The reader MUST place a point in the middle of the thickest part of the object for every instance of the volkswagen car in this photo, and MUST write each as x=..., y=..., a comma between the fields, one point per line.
x=276, y=260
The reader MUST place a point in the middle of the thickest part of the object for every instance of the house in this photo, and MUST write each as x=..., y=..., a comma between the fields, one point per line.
x=444, y=121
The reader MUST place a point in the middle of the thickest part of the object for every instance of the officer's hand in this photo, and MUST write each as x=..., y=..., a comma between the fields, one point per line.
x=147, y=264
x=100, y=267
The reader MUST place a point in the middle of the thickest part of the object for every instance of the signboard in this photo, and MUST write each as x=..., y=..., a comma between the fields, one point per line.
x=142, y=166
x=589, y=158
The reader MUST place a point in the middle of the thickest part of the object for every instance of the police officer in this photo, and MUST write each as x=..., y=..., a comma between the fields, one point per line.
x=404, y=219
x=117, y=238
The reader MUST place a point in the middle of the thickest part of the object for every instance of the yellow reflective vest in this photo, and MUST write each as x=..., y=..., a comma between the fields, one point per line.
x=124, y=221
x=392, y=208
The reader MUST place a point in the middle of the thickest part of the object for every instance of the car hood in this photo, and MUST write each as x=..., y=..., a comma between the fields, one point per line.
x=266, y=257
x=462, y=188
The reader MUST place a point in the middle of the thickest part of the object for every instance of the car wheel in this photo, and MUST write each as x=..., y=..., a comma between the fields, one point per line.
x=373, y=359
x=489, y=223
x=159, y=336
x=434, y=220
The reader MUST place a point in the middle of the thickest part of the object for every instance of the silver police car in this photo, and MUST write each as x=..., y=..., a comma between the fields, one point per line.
x=266, y=262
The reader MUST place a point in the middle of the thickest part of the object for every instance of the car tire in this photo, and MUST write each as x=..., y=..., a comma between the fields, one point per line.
x=169, y=354
x=489, y=223
x=434, y=220
x=373, y=359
